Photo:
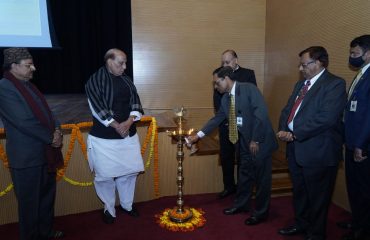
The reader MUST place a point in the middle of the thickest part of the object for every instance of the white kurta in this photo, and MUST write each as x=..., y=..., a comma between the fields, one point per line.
x=114, y=157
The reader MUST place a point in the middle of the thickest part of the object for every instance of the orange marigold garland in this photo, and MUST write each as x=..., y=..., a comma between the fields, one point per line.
x=68, y=155
x=156, y=166
x=3, y=156
x=146, y=140
x=196, y=221
x=7, y=189
x=152, y=136
x=75, y=134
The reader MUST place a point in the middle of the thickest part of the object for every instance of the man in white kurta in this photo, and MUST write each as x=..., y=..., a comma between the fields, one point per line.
x=113, y=144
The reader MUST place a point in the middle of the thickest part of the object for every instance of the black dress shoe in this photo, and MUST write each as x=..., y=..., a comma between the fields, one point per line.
x=344, y=225
x=107, y=217
x=357, y=235
x=291, y=230
x=233, y=210
x=253, y=220
x=226, y=193
x=132, y=213
x=314, y=238
x=55, y=234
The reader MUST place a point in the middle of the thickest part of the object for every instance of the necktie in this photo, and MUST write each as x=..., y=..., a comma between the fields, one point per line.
x=233, y=130
x=299, y=100
x=354, y=83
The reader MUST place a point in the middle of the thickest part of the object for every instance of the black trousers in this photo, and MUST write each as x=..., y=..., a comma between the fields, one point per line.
x=312, y=191
x=358, y=188
x=35, y=190
x=227, y=155
x=253, y=171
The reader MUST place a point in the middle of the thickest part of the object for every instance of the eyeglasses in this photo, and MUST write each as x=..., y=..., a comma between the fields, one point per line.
x=305, y=65
x=27, y=65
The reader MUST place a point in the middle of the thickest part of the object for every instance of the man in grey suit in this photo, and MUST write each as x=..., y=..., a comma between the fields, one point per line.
x=311, y=124
x=254, y=137
x=33, y=142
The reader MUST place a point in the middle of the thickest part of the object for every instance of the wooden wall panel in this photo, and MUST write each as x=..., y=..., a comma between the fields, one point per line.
x=292, y=26
x=8, y=203
x=331, y=23
x=177, y=45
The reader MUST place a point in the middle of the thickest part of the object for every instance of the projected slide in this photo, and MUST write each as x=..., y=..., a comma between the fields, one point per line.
x=24, y=23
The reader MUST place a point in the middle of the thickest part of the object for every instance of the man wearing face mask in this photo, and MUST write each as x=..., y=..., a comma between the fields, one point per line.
x=113, y=144
x=311, y=124
x=357, y=139
x=227, y=151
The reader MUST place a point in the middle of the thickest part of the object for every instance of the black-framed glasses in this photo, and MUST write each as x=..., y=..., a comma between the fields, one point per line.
x=305, y=65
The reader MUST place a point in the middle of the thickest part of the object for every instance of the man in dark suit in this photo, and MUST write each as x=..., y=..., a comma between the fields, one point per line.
x=357, y=139
x=33, y=142
x=227, y=151
x=253, y=136
x=311, y=125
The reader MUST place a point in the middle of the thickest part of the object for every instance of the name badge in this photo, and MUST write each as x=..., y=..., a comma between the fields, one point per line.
x=353, y=106
x=239, y=121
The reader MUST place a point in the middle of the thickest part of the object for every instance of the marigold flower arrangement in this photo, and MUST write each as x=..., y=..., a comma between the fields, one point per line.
x=197, y=221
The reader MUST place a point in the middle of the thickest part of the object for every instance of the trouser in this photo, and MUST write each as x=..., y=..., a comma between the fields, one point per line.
x=253, y=171
x=358, y=188
x=35, y=190
x=106, y=190
x=312, y=191
x=227, y=156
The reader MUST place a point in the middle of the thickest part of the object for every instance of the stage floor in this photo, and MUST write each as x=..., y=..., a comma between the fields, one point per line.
x=68, y=108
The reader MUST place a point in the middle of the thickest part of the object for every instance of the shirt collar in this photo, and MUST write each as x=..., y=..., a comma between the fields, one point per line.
x=232, y=92
x=314, y=79
x=236, y=69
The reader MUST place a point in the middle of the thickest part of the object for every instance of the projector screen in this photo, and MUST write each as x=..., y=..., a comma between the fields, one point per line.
x=24, y=23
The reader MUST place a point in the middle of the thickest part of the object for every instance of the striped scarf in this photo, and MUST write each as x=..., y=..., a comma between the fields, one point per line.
x=99, y=90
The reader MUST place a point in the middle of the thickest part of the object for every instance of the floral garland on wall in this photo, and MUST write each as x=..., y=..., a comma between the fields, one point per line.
x=151, y=139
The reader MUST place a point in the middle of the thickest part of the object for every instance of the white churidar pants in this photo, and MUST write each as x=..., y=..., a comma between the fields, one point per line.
x=116, y=163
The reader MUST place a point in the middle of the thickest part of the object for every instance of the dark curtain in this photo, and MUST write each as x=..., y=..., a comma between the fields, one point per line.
x=85, y=30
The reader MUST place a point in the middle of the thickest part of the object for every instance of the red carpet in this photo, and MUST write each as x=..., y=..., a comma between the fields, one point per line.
x=218, y=226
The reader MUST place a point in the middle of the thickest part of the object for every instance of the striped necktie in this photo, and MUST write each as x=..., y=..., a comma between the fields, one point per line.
x=233, y=130
x=298, y=101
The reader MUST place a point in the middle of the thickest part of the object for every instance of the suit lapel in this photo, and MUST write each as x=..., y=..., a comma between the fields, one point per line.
x=314, y=89
x=225, y=103
x=237, y=98
x=360, y=82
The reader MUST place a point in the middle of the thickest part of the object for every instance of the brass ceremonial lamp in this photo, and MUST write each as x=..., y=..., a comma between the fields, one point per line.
x=180, y=214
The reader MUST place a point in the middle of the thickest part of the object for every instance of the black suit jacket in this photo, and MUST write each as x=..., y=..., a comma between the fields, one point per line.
x=318, y=123
x=357, y=123
x=25, y=136
x=250, y=105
